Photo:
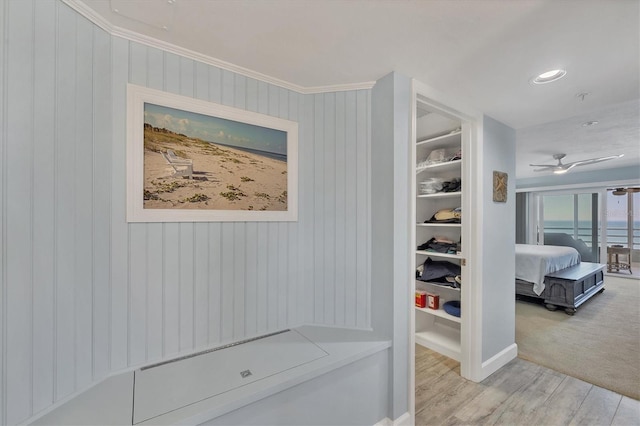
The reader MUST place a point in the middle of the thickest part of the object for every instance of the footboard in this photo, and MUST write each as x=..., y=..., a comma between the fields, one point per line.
x=571, y=287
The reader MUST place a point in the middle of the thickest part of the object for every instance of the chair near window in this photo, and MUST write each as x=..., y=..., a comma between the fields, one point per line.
x=618, y=258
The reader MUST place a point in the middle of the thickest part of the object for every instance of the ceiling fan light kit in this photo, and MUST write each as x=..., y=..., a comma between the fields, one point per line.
x=623, y=191
x=561, y=167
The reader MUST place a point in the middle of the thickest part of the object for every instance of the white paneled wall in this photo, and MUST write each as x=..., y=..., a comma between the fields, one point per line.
x=83, y=292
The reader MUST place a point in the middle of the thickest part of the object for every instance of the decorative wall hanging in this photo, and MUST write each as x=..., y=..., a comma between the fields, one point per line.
x=190, y=160
x=500, y=181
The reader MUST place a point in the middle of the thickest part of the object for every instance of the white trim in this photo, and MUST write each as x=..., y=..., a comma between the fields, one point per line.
x=116, y=31
x=498, y=361
x=403, y=420
x=472, y=137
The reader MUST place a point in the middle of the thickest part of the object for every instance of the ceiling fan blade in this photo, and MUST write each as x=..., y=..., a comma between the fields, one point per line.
x=544, y=165
x=593, y=160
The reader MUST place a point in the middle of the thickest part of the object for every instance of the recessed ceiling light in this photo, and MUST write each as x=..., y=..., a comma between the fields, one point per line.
x=549, y=76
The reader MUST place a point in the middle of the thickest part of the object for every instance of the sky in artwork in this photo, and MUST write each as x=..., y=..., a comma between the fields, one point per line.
x=215, y=129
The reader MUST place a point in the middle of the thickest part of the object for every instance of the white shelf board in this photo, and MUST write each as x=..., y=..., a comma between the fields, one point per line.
x=441, y=195
x=439, y=313
x=444, y=340
x=436, y=254
x=447, y=165
x=436, y=285
x=449, y=137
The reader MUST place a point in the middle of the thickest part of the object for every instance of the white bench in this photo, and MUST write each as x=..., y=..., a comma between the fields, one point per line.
x=307, y=372
x=181, y=166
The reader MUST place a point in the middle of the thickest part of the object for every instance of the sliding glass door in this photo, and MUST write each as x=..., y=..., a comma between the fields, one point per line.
x=570, y=220
x=623, y=219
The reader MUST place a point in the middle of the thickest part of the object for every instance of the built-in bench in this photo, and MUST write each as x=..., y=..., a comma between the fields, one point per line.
x=200, y=387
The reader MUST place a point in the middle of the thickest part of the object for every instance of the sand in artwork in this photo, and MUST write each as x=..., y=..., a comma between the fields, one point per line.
x=222, y=178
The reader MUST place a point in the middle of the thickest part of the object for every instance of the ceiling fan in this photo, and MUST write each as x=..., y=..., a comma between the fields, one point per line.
x=623, y=191
x=565, y=167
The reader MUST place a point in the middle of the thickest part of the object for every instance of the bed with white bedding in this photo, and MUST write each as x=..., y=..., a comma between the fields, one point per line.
x=556, y=274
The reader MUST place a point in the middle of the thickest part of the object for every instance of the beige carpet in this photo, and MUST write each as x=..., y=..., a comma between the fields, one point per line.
x=600, y=344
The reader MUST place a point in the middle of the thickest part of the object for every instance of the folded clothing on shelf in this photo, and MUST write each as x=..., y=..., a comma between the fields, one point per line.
x=439, y=246
x=446, y=216
x=439, y=271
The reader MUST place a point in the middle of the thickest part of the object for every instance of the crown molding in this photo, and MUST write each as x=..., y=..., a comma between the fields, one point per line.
x=116, y=31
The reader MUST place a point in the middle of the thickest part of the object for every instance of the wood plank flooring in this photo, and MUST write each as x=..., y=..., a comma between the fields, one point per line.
x=520, y=393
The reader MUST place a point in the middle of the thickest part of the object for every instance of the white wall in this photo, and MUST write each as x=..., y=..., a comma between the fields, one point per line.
x=84, y=293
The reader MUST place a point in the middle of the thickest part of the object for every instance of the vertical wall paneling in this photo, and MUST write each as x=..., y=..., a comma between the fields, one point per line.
x=83, y=202
x=239, y=277
x=65, y=160
x=329, y=207
x=363, y=139
x=305, y=210
x=340, y=215
x=137, y=293
x=318, y=208
x=86, y=294
x=119, y=297
x=215, y=283
x=43, y=204
x=102, y=137
x=186, y=286
x=351, y=209
x=19, y=151
x=227, y=293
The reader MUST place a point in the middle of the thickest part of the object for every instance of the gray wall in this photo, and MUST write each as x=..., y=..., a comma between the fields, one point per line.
x=498, y=244
x=84, y=293
x=390, y=157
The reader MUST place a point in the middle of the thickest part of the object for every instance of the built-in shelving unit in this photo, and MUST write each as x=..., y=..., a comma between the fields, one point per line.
x=438, y=158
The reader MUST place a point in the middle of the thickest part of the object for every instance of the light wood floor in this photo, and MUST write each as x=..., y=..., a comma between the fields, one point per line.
x=520, y=393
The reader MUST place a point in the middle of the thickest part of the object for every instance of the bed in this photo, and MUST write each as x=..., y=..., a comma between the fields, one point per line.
x=556, y=275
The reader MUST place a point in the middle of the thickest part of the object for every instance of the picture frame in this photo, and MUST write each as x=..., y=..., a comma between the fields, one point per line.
x=500, y=183
x=190, y=160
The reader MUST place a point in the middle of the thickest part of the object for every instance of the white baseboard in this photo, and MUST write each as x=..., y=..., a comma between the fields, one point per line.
x=403, y=420
x=499, y=360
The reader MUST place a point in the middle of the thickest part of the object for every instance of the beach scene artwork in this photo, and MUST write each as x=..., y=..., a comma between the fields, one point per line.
x=201, y=162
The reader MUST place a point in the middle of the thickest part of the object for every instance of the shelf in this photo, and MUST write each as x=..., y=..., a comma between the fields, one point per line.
x=442, y=339
x=447, y=165
x=441, y=195
x=436, y=254
x=444, y=139
x=440, y=225
x=437, y=285
x=439, y=312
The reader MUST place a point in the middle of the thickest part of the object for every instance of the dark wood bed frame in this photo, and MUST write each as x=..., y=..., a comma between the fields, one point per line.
x=567, y=288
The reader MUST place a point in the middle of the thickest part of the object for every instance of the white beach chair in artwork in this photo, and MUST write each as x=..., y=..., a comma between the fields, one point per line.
x=181, y=166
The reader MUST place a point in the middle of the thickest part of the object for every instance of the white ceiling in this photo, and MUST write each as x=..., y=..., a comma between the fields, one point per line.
x=482, y=51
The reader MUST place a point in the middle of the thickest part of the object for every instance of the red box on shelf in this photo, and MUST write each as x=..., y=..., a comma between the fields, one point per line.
x=433, y=301
x=421, y=299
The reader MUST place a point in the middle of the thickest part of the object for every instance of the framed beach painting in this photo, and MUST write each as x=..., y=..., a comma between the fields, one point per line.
x=190, y=160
